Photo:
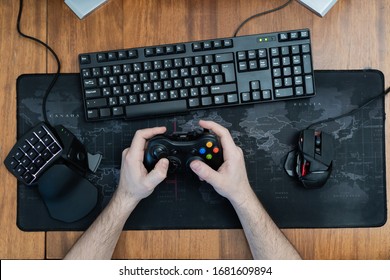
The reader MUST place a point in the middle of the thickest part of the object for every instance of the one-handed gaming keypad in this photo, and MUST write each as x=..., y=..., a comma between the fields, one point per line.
x=33, y=154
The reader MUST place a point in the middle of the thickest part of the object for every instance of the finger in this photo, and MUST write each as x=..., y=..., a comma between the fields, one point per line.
x=158, y=174
x=141, y=136
x=205, y=172
x=223, y=134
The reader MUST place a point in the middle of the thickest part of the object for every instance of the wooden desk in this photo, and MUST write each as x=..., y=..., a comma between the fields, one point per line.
x=353, y=35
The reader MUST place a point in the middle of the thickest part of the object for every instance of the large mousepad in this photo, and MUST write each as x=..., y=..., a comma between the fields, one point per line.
x=354, y=195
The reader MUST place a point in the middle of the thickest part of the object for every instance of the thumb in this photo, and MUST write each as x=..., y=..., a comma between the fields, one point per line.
x=204, y=172
x=158, y=174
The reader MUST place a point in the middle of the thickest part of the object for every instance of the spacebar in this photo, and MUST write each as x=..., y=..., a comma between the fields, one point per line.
x=156, y=109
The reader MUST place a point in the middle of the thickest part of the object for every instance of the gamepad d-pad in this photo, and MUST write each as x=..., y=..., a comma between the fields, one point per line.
x=183, y=148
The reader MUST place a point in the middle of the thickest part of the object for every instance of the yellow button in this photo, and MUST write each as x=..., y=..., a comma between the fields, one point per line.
x=209, y=144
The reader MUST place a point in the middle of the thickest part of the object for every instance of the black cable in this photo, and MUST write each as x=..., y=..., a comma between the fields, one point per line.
x=261, y=14
x=352, y=111
x=52, y=52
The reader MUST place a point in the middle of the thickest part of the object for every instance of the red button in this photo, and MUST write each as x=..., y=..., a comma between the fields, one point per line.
x=216, y=150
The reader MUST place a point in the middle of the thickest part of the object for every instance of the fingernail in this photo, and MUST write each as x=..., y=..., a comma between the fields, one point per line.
x=195, y=165
x=165, y=162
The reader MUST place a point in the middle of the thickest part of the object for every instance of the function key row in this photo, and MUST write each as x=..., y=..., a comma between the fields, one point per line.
x=212, y=45
x=165, y=50
x=109, y=56
x=132, y=53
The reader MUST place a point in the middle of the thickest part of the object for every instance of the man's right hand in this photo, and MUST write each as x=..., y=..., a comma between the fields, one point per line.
x=231, y=180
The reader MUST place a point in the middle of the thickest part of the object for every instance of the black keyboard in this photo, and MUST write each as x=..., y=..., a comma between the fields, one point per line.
x=176, y=78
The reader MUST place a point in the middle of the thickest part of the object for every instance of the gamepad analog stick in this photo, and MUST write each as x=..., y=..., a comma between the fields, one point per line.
x=174, y=164
x=160, y=152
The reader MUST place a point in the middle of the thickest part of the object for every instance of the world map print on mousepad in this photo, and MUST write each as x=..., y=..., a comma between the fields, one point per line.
x=354, y=195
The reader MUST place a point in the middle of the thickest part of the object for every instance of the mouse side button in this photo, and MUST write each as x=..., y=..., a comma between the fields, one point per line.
x=327, y=149
x=307, y=140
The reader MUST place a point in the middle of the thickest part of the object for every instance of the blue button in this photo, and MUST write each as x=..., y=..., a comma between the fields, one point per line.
x=202, y=151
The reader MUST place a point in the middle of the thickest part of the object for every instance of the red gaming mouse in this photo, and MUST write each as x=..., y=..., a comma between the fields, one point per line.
x=311, y=162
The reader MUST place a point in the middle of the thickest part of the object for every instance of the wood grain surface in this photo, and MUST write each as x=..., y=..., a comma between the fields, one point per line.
x=354, y=35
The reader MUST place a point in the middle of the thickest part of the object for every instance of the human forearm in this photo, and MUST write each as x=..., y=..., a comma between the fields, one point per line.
x=135, y=184
x=99, y=241
x=265, y=239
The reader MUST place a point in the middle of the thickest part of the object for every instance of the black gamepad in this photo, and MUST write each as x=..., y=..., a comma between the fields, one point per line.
x=182, y=148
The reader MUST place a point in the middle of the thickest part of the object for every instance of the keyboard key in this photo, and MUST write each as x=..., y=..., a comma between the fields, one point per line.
x=46, y=155
x=219, y=99
x=228, y=43
x=306, y=64
x=283, y=92
x=228, y=70
x=85, y=59
x=266, y=94
x=92, y=93
x=245, y=97
x=256, y=95
x=283, y=37
x=90, y=83
x=168, y=107
x=181, y=48
x=54, y=148
x=196, y=46
x=309, y=85
x=223, y=88
x=206, y=101
x=92, y=114
x=96, y=103
x=225, y=57
x=232, y=98
x=132, y=53
x=117, y=111
x=105, y=112
x=149, y=52
x=193, y=102
x=101, y=57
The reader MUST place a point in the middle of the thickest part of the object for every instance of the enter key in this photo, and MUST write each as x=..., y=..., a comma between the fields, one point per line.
x=228, y=70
